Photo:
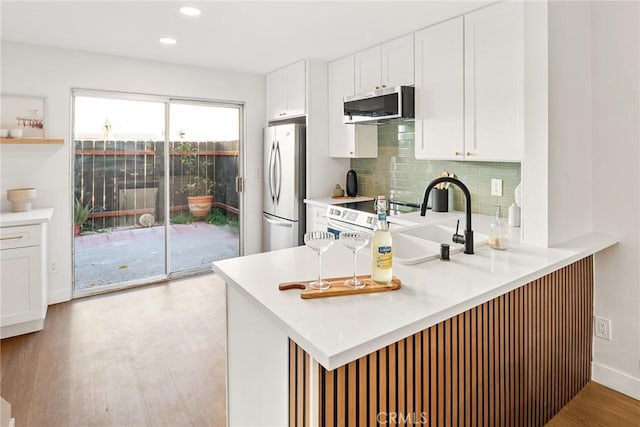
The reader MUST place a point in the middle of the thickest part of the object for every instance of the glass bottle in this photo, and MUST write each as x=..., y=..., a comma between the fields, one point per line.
x=381, y=253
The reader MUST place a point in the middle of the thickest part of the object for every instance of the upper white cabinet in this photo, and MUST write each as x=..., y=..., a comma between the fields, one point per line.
x=386, y=65
x=347, y=141
x=439, y=94
x=368, y=70
x=494, y=83
x=470, y=86
x=286, y=92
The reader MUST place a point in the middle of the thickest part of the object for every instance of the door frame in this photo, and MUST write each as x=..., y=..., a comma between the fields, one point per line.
x=166, y=100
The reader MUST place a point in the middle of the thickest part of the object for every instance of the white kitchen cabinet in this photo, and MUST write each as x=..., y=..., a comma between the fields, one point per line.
x=494, y=83
x=386, y=65
x=439, y=94
x=368, y=69
x=23, y=284
x=470, y=86
x=319, y=218
x=286, y=92
x=347, y=141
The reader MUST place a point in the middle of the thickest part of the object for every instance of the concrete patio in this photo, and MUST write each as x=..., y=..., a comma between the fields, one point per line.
x=105, y=258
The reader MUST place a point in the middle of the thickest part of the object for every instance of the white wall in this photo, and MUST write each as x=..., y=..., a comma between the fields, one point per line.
x=535, y=167
x=557, y=197
x=615, y=183
x=36, y=70
x=323, y=172
x=582, y=157
x=570, y=193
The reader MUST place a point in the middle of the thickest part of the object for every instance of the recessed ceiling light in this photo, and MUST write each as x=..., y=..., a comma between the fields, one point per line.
x=167, y=40
x=190, y=11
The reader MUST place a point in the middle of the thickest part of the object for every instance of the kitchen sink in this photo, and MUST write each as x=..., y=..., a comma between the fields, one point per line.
x=409, y=249
x=414, y=245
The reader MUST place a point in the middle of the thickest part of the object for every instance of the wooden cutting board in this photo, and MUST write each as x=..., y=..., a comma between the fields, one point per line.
x=338, y=288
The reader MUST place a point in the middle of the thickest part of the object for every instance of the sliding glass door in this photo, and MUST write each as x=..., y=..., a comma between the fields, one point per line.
x=205, y=147
x=154, y=188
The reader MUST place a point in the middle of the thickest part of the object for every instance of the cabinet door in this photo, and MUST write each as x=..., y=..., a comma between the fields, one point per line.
x=296, y=83
x=319, y=218
x=494, y=82
x=275, y=94
x=368, y=70
x=439, y=91
x=397, y=62
x=340, y=84
x=21, y=280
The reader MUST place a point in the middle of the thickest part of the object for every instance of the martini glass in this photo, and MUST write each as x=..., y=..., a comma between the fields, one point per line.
x=355, y=240
x=319, y=241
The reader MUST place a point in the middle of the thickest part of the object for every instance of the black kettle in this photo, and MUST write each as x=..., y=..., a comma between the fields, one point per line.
x=352, y=183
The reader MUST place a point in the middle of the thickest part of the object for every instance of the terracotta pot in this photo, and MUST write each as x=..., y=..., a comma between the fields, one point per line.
x=200, y=206
x=76, y=230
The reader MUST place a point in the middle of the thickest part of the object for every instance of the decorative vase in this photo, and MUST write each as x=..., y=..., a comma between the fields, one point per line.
x=76, y=229
x=21, y=198
x=199, y=206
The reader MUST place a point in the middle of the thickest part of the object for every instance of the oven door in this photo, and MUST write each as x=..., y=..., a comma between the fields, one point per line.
x=336, y=227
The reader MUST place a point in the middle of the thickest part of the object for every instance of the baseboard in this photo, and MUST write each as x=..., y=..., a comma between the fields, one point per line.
x=616, y=380
x=61, y=295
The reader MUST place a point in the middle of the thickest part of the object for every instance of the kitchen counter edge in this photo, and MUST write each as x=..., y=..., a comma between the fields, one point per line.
x=571, y=251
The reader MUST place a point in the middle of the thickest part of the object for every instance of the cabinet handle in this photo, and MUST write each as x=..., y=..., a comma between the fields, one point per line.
x=384, y=86
x=469, y=153
x=377, y=87
x=12, y=238
x=456, y=153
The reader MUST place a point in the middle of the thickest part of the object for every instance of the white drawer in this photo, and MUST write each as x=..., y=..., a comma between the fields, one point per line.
x=20, y=236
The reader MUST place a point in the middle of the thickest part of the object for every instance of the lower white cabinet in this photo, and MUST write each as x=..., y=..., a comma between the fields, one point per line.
x=318, y=214
x=23, y=278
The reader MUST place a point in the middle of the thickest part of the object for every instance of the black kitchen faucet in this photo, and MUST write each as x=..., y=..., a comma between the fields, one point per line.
x=467, y=239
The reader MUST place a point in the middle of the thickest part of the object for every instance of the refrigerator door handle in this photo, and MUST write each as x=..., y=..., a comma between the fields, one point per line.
x=279, y=171
x=287, y=224
x=271, y=155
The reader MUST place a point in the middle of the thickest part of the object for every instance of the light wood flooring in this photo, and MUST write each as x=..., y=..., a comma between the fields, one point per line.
x=149, y=356
x=154, y=356
x=597, y=405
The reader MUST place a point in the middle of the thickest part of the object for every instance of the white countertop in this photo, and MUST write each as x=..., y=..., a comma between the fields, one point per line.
x=335, y=331
x=324, y=201
x=34, y=216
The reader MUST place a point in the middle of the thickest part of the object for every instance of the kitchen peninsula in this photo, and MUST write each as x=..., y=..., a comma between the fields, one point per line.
x=495, y=335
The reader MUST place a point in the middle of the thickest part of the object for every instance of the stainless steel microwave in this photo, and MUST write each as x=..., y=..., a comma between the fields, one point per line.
x=379, y=106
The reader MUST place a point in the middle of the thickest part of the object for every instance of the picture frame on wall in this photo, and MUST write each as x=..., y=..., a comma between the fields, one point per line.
x=23, y=116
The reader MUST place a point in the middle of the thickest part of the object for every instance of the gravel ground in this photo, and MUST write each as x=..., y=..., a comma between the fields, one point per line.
x=110, y=257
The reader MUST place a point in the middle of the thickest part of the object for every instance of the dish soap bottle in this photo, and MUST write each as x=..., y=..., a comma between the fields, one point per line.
x=499, y=234
x=381, y=253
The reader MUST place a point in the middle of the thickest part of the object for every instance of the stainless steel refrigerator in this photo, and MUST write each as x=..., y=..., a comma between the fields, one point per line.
x=283, y=187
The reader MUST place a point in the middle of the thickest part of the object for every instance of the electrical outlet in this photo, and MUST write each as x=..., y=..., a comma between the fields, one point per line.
x=602, y=327
x=53, y=267
x=496, y=187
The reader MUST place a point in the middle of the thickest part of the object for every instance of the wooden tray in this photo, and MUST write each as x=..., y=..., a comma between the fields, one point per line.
x=343, y=197
x=338, y=288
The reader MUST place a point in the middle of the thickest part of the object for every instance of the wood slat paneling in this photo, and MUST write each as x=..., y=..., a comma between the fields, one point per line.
x=515, y=360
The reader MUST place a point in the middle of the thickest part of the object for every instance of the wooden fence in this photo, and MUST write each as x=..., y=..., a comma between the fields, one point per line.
x=122, y=180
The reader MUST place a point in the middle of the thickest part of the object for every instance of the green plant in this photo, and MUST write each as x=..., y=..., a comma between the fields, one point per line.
x=220, y=217
x=195, y=180
x=182, y=219
x=80, y=212
x=217, y=217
